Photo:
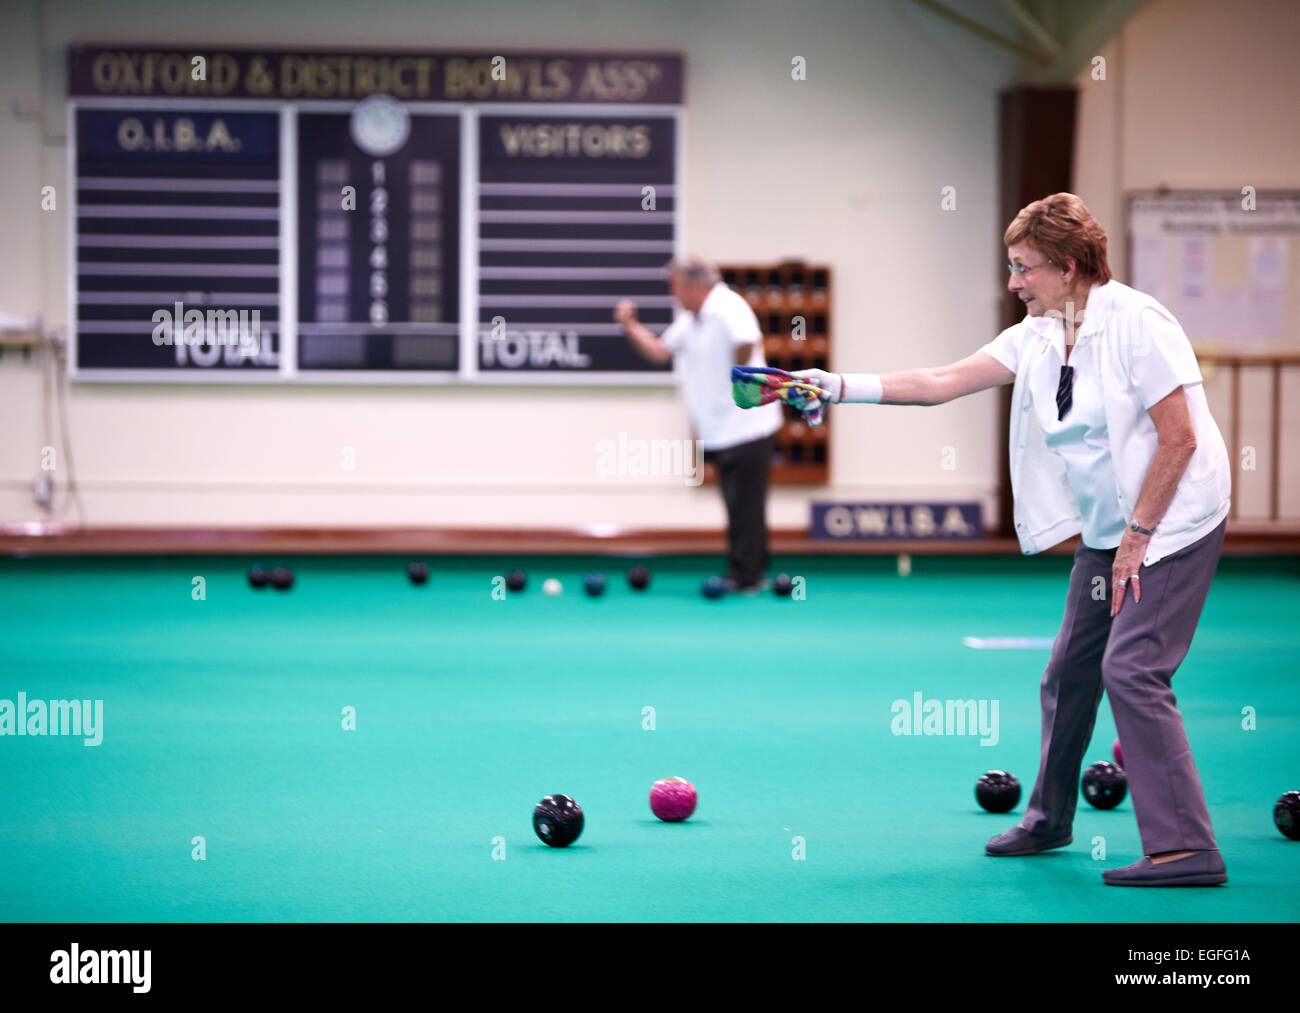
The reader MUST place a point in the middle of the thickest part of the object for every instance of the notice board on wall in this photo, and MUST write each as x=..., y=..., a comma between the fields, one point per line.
x=1225, y=263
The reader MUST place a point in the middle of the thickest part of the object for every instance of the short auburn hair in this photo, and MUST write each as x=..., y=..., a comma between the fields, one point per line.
x=1062, y=228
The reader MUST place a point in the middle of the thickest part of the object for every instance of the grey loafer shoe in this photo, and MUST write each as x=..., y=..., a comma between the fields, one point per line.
x=1205, y=868
x=1019, y=841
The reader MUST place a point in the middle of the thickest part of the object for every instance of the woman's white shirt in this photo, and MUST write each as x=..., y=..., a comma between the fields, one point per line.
x=1084, y=475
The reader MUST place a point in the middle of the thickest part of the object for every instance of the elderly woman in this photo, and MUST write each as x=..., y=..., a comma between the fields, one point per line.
x=1111, y=438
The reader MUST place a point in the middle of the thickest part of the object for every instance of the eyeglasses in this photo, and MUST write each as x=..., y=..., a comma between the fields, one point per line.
x=1022, y=270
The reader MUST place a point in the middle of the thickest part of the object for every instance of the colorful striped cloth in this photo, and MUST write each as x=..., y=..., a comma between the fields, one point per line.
x=752, y=386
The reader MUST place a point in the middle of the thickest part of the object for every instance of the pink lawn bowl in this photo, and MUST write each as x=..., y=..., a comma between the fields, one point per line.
x=673, y=799
x=1119, y=756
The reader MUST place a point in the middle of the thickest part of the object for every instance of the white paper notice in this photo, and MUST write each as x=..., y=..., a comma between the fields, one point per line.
x=1266, y=299
x=1268, y=262
x=1228, y=313
x=1196, y=308
x=1149, y=273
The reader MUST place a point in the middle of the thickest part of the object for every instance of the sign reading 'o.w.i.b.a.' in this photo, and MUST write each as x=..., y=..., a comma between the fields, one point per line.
x=888, y=521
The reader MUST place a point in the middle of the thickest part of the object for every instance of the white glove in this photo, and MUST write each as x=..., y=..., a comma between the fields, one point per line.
x=829, y=382
x=860, y=388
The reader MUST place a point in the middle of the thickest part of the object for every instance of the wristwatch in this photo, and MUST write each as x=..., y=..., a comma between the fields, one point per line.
x=1134, y=526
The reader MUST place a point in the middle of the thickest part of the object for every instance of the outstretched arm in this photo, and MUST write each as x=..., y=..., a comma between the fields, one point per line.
x=646, y=342
x=933, y=386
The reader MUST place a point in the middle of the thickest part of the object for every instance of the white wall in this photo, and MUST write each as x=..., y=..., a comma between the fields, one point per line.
x=845, y=167
x=1201, y=95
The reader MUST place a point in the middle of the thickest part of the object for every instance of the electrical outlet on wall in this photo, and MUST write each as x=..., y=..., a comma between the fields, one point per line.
x=42, y=488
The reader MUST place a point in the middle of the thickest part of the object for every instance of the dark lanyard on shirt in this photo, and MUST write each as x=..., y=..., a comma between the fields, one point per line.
x=1065, y=392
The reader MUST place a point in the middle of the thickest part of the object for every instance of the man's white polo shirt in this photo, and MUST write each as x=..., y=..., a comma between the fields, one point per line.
x=705, y=347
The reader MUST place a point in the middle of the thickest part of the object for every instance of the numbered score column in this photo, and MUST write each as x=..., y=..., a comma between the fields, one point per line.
x=378, y=235
x=575, y=213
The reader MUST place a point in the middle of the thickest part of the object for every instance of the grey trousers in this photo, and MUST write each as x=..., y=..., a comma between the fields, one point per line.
x=1133, y=657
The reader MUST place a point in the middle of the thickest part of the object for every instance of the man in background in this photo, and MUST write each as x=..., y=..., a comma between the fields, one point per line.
x=719, y=330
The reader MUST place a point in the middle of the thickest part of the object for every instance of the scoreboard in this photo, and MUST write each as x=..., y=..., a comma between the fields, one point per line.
x=378, y=269
x=560, y=209
x=172, y=211
x=255, y=216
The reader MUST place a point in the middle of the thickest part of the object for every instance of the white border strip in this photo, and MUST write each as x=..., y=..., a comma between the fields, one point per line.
x=570, y=190
x=234, y=105
x=679, y=175
x=169, y=184
x=679, y=226
x=250, y=374
x=578, y=217
x=146, y=241
x=665, y=246
x=72, y=338
x=572, y=378
x=141, y=327
x=363, y=378
x=609, y=273
x=112, y=267
x=100, y=297
x=572, y=300
x=357, y=328
x=288, y=242
x=214, y=212
x=469, y=248
x=603, y=112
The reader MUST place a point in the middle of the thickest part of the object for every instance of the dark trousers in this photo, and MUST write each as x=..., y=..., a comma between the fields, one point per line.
x=1133, y=657
x=743, y=472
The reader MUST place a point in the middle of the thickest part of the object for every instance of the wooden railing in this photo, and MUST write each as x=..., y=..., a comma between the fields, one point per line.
x=1276, y=362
